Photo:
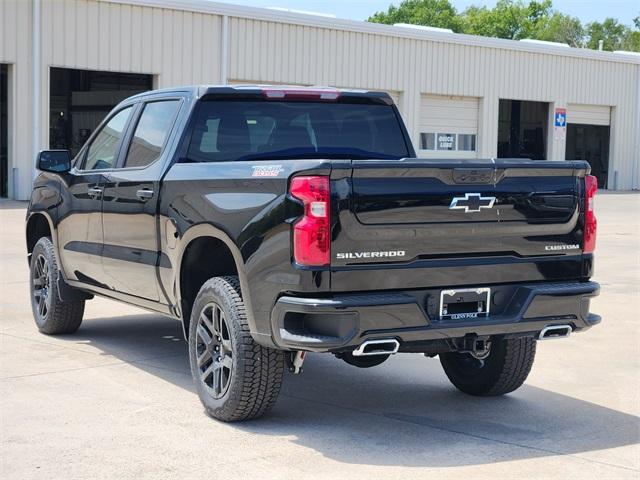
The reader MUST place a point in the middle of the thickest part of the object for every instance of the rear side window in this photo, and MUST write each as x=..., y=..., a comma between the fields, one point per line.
x=243, y=130
x=103, y=150
x=151, y=133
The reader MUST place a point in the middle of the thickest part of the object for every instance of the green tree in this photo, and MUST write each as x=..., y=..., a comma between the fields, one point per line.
x=610, y=31
x=432, y=13
x=515, y=19
x=563, y=29
x=631, y=41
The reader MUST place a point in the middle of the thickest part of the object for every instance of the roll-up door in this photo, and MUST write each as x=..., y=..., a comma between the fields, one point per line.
x=589, y=114
x=448, y=126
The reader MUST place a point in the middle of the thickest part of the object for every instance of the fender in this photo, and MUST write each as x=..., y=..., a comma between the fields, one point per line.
x=208, y=230
x=66, y=293
x=54, y=232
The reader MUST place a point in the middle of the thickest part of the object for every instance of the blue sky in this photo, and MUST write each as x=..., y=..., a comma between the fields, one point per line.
x=585, y=10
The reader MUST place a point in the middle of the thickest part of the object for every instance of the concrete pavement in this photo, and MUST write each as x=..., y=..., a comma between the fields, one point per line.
x=115, y=400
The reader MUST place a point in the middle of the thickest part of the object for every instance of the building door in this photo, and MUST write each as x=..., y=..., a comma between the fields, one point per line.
x=4, y=132
x=588, y=134
x=590, y=143
x=81, y=99
x=448, y=127
x=522, y=129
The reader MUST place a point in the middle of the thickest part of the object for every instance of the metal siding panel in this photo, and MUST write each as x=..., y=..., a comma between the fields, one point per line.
x=57, y=49
x=81, y=29
x=187, y=56
x=177, y=57
x=126, y=41
x=91, y=37
x=138, y=42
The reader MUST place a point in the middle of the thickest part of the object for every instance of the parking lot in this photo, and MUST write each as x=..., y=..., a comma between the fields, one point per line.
x=115, y=400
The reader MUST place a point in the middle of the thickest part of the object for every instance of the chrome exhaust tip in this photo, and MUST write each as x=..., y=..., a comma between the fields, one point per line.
x=387, y=346
x=555, y=331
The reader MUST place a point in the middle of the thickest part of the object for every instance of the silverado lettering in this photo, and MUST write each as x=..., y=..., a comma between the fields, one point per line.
x=397, y=253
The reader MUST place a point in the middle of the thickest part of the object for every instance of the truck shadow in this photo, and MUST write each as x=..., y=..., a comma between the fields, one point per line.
x=402, y=413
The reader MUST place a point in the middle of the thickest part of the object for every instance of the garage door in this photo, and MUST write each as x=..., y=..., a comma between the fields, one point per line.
x=448, y=126
x=588, y=114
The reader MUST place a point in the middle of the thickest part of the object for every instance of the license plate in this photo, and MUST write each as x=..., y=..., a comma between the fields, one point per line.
x=466, y=303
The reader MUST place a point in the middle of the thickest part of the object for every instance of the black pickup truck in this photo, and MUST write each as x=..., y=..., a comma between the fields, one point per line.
x=276, y=221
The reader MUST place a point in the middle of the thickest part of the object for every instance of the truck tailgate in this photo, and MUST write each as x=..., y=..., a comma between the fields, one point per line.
x=416, y=223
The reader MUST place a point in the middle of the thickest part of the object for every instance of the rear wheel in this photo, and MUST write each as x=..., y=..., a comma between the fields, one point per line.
x=504, y=370
x=52, y=315
x=236, y=378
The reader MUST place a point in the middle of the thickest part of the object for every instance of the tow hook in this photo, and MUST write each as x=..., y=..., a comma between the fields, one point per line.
x=295, y=361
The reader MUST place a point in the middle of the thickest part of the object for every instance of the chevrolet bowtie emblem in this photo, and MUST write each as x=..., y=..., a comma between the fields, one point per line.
x=472, y=202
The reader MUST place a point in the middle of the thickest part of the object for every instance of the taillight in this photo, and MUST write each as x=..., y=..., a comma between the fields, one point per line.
x=590, y=223
x=311, y=236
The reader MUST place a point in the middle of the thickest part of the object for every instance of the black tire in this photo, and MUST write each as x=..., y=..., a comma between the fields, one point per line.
x=52, y=315
x=503, y=371
x=236, y=378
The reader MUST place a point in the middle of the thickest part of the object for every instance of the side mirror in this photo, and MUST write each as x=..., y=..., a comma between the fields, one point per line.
x=57, y=161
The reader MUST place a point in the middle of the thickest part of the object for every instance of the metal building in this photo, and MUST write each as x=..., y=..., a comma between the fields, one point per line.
x=65, y=63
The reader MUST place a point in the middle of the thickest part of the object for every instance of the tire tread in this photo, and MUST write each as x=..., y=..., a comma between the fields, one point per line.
x=263, y=367
x=502, y=374
x=63, y=317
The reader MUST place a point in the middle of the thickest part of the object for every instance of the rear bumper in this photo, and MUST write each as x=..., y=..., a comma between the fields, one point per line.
x=342, y=322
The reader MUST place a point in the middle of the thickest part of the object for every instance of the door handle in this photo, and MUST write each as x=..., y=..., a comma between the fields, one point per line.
x=94, y=192
x=144, y=194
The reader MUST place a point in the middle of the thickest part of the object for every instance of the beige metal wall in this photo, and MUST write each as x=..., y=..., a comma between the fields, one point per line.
x=15, y=50
x=185, y=44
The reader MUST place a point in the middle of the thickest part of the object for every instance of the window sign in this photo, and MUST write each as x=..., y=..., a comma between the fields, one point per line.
x=446, y=141
x=462, y=142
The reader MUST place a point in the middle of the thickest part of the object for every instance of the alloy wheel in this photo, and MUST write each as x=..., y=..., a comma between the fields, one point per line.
x=41, y=280
x=214, y=350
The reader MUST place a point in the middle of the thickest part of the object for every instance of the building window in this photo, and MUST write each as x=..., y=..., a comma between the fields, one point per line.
x=466, y=142
x=462, y=142
x=427, y=141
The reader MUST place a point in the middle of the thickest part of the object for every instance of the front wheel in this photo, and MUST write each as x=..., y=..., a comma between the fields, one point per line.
x=236, y=378
x=504, y=370
x=52, y=315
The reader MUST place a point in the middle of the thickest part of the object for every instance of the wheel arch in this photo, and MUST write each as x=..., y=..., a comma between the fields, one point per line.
x=191, y=243
x=39, y=224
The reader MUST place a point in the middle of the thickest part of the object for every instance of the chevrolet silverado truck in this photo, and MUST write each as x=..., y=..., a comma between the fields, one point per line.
x=275, y=221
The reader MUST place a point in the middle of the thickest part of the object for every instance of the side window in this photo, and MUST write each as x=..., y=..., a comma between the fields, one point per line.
x=151, y=133
x=103, y=150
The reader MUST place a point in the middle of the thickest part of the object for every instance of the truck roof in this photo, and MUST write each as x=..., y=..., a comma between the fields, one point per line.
x=274, y=91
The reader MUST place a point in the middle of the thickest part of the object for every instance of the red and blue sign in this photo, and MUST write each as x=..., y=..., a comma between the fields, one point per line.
x=560, y=117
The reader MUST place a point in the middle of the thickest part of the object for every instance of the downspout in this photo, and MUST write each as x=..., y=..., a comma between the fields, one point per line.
x=635, y=161
x=224, y=50
x=35, y=80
